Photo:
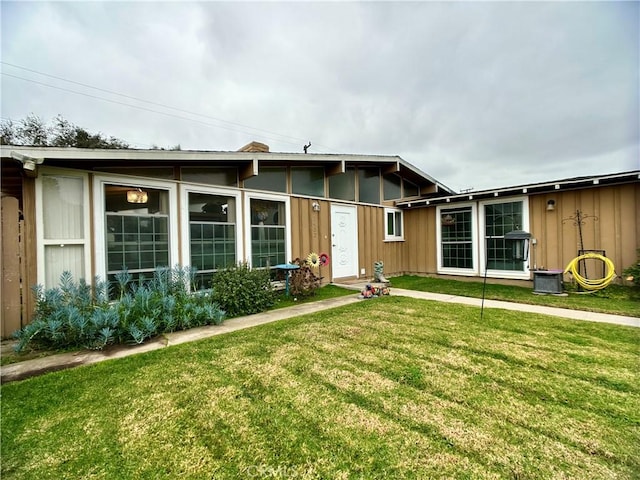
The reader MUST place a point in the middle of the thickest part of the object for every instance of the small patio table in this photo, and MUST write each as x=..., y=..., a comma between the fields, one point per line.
x=287, y=268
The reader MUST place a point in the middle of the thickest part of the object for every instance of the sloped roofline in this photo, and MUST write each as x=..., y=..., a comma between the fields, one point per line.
x=533, y=188
x=44, y=154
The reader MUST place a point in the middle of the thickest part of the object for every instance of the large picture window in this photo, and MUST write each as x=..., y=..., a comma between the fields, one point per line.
x=212, y=234
x=268, y=237
x=456, y=227
x=499, y=219
x=471, y=238
x=137, y=230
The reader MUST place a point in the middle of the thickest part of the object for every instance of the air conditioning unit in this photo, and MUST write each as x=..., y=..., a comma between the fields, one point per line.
x=547, y=281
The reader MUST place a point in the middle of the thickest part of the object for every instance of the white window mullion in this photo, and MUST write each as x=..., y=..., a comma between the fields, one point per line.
x=523, y=273
x=453, y=211
x=62, y=225
x=248, y=196
x=100, y=214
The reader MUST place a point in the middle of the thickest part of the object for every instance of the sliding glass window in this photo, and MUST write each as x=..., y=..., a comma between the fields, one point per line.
x=212, y=230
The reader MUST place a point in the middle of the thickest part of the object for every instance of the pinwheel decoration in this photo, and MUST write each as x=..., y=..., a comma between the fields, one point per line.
x=313, y=260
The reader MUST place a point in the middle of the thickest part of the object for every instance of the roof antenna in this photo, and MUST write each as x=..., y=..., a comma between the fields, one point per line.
x=305, y=147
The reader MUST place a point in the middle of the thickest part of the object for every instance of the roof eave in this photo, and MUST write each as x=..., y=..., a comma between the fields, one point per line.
x=539, y=188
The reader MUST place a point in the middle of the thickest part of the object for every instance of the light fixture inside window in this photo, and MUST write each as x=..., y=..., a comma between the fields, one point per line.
x=137, y=196
x=448, y=221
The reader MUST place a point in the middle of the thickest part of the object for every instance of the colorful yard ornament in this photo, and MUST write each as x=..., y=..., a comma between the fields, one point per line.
x=313, y=260
x=371, y=291
x=324, y=259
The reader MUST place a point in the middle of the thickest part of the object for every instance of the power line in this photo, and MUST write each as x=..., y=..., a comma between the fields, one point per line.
x=140, y=107
x=147, y=101
x=111, y=92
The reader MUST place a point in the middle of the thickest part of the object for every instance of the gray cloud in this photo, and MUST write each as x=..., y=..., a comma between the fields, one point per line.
x=475, y=94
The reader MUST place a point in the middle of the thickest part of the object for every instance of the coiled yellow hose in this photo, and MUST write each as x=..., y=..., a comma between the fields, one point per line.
x=586, y=283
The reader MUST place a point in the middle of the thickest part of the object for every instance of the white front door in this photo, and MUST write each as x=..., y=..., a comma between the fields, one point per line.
x=344, y=241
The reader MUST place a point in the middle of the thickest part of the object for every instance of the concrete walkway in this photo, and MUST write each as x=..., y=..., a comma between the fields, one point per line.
x=522, y=307
x=30, y=368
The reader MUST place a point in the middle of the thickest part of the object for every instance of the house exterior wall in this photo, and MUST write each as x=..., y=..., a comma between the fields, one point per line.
x=611, y=223
x=419, y=248
x=311, y=230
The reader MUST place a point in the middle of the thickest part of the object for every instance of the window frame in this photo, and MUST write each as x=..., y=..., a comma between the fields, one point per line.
x=441, y=210
x=394, y=237
x=41, y=242
x=525, y=274
x=99, y=208
x=286, y=199
x=185, y=190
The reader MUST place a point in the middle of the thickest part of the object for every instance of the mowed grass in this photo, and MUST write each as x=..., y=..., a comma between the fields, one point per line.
x=615, y=299
x=385, y=388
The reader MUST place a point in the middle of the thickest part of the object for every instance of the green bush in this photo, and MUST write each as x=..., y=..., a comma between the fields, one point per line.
x=240, y=290
x=77, y=315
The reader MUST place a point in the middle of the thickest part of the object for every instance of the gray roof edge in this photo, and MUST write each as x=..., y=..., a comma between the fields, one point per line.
x=72, y=153
x=416, y=170
x=629, y=176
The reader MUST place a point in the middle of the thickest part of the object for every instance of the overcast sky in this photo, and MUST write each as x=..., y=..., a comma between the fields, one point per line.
x=476, y=94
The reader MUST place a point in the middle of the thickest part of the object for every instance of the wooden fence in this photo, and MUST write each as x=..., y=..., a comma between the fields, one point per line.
x=12, y=266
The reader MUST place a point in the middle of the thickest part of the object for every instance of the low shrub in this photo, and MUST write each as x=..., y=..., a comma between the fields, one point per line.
x=632, y=273
x=303, y=281
x=78, y=315
x=241, y=290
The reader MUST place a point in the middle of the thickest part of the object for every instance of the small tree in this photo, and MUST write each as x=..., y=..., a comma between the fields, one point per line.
x=33, y=131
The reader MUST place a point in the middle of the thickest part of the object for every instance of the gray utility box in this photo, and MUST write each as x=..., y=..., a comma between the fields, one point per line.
x=547, y=281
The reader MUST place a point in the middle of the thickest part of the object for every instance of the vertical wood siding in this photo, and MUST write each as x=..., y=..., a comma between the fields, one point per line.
x=613, y=216
x=311, y=231
x=420, y=241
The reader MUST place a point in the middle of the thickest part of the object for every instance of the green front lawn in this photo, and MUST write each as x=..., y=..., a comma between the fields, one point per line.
x=385, y=388
x=322, y=293
x=615, y=299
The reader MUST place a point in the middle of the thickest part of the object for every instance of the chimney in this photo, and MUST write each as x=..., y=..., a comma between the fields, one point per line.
x=255, y=147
